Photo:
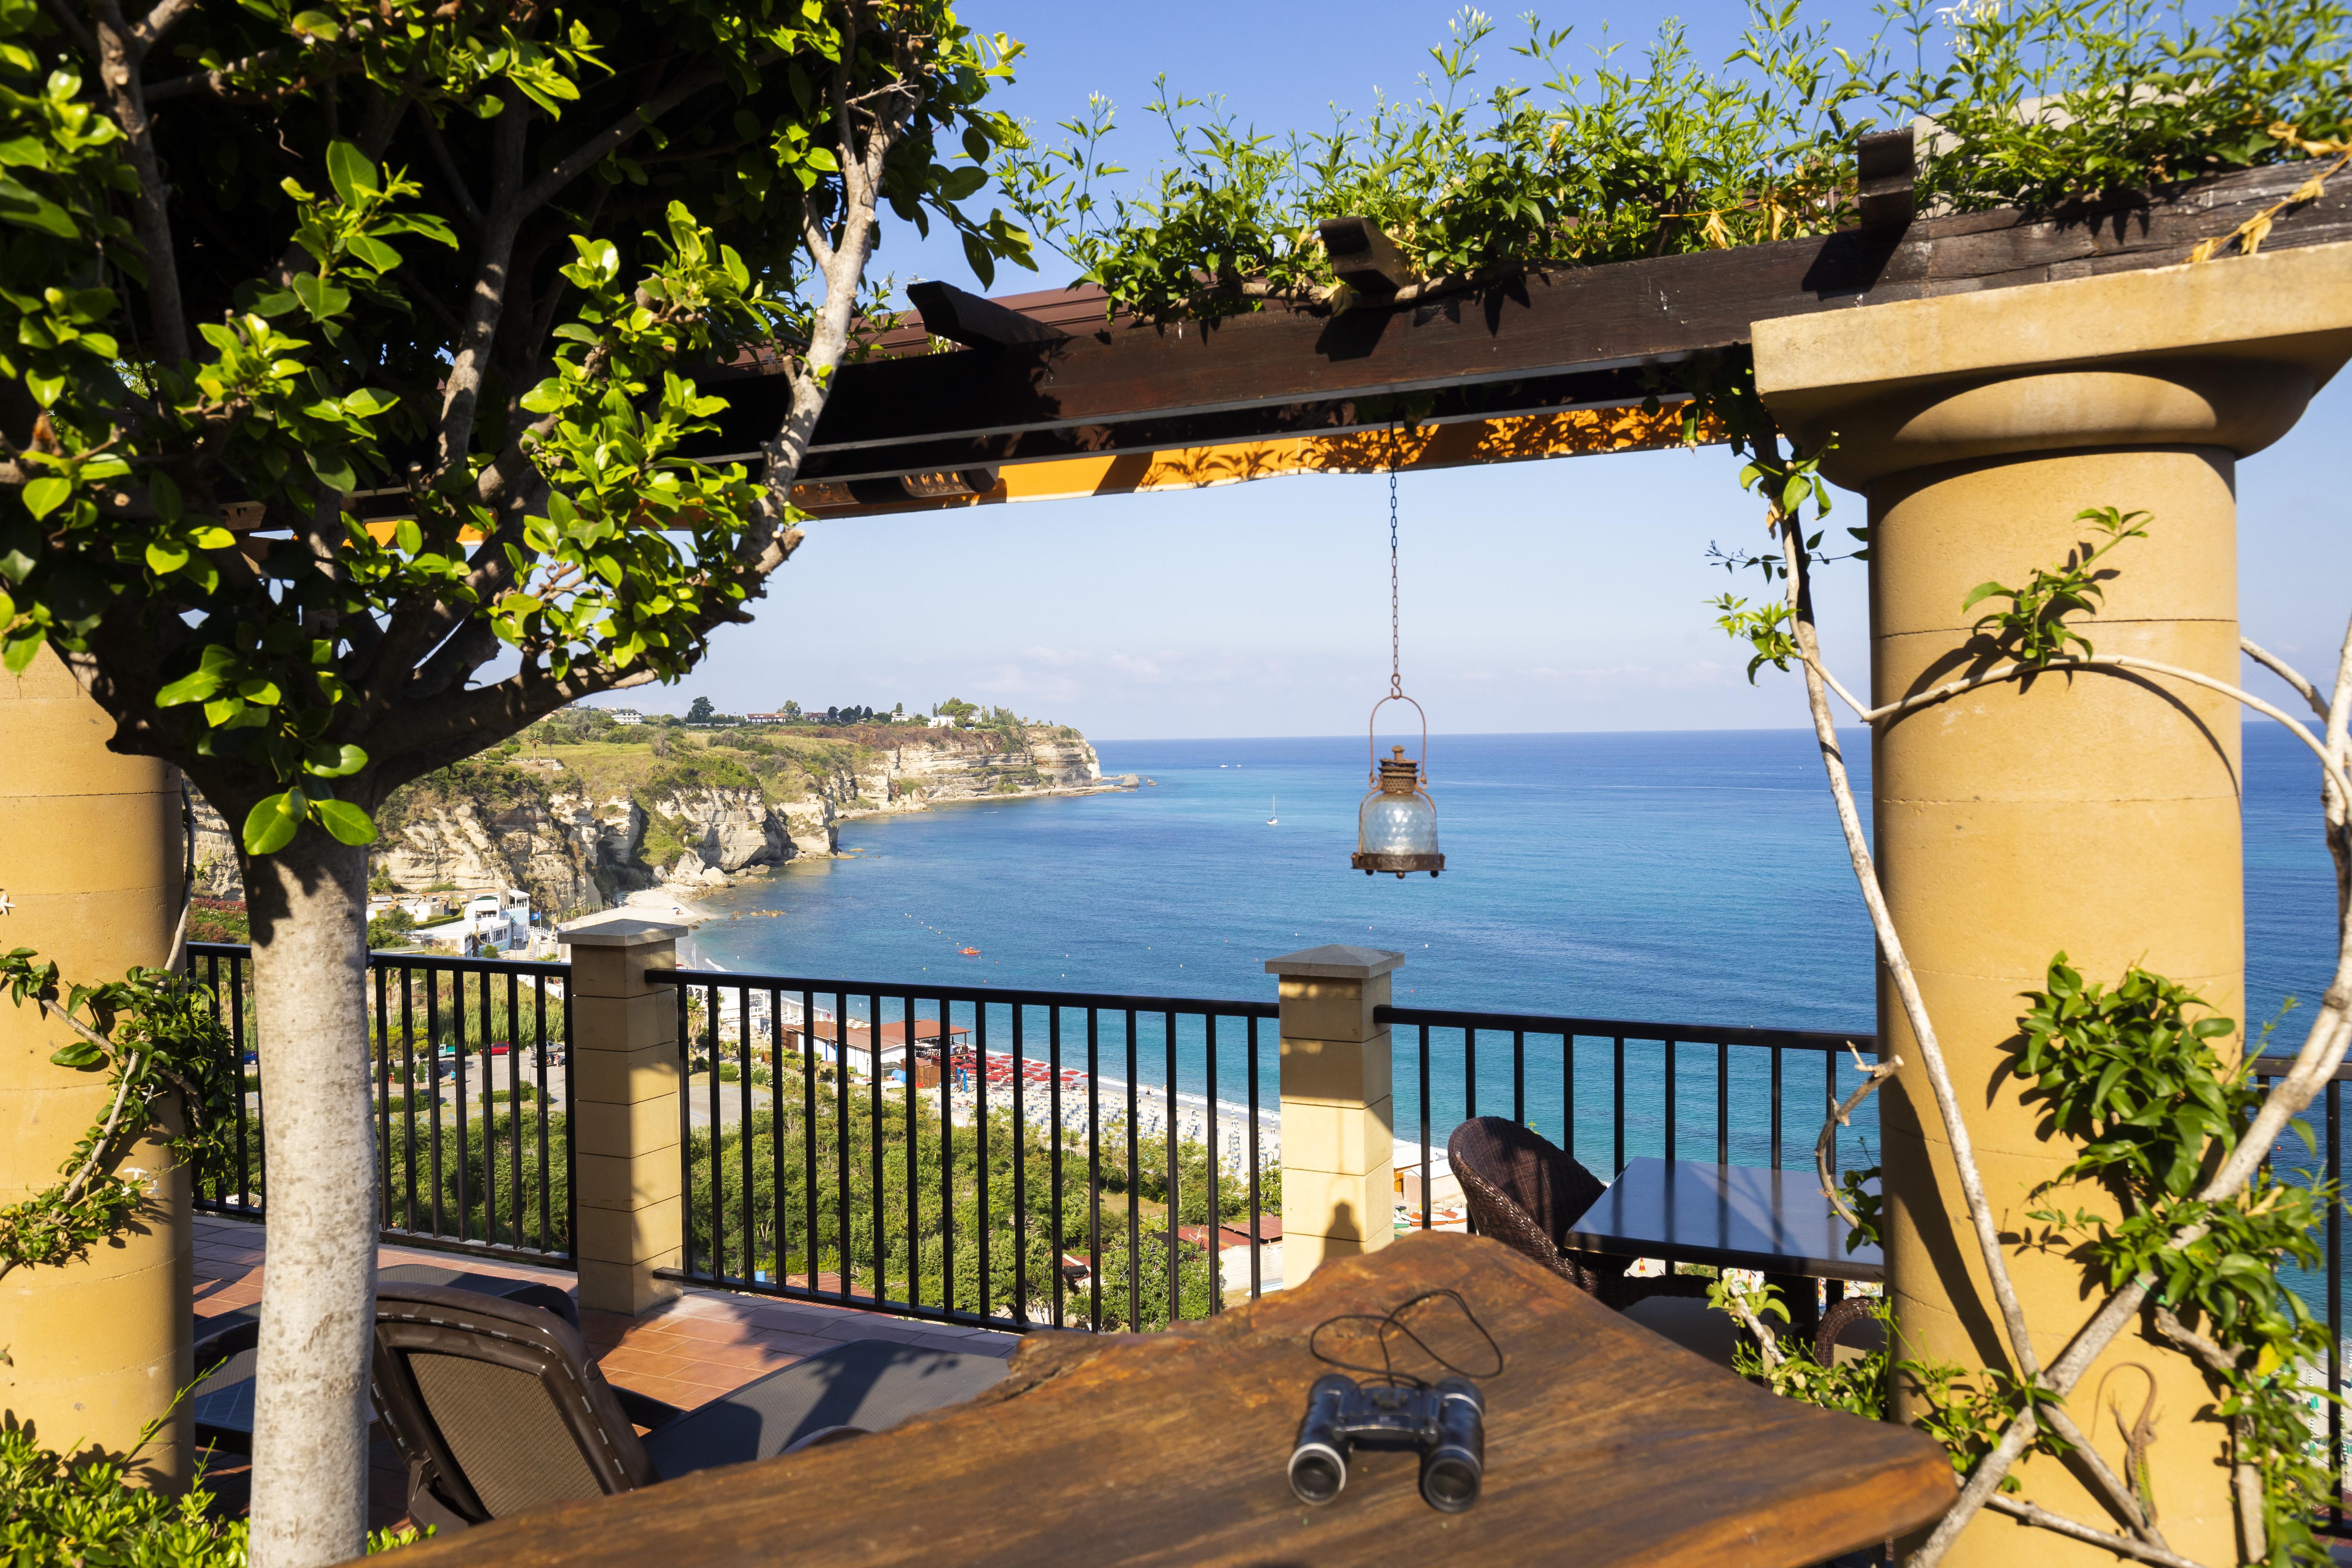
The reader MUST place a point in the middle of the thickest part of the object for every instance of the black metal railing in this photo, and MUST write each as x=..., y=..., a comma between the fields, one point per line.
x=1622, y=1086
x=950, y=1153
x=463, y=1162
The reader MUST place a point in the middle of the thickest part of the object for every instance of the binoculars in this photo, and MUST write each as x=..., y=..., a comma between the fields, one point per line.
x=1447, y=1424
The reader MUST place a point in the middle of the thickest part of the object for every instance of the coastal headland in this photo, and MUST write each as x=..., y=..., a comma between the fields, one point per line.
x=582, y=812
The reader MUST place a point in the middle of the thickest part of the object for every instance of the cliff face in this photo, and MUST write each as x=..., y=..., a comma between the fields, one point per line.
x=491, y=825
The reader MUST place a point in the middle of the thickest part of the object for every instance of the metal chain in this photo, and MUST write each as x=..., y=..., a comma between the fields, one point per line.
x=1396, y=663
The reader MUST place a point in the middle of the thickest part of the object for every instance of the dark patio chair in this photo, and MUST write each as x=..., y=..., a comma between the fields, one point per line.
x=226, y=1346
x=496, y=1407
x=1849, y=1330
x=1526, y=1192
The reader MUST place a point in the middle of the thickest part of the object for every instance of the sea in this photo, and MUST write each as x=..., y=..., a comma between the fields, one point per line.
x=1691, y=878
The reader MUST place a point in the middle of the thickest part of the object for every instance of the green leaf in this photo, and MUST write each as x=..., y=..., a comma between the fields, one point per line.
x=192, y=688
x=45, y=388
x=546, y=397
x=270, y=826
x=350, y=169
x=982, y=264
x=79, y=1054
x=334, y=468
x=334, y=762
x=45, y=494
x=374, y=251
x=16, y=650
x=344, y=820
x=1981, y=592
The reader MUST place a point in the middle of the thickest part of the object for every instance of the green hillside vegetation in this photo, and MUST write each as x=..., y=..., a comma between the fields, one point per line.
x=877, y=1136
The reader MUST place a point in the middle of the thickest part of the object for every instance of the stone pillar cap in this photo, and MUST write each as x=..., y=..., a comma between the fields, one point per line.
x=2219, y=353
x=1336, y=961
x=2286, y=305
x=619, y=933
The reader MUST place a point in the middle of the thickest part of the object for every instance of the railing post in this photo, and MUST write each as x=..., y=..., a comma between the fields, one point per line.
x=628, y=1208
x=1338, y=1117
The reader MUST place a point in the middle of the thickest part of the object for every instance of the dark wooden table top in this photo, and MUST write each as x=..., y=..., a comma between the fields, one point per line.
x=1746, y=1216
x=1605, y=1444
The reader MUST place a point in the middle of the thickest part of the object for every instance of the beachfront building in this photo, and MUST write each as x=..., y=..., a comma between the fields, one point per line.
x=498, y=920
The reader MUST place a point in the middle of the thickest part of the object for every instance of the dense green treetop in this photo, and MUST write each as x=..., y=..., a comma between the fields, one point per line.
x=266, y=269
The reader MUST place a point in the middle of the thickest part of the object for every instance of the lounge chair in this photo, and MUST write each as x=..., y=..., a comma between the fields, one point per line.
x=226, y=1347
x=1524, y=1190
x=496, y=1407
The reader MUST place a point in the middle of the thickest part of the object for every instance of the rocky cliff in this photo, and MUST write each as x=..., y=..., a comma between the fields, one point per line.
x=696, y=815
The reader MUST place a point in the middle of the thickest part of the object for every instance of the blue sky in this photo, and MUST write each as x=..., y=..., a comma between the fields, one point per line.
x=1543, y=596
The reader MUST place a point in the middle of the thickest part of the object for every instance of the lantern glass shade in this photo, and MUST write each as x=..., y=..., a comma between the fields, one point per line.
x=1396, y=826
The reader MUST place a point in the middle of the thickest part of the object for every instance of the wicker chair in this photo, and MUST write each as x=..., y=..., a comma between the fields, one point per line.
x=1526, y=1192
x=496, y=1407
x=1849, y=1330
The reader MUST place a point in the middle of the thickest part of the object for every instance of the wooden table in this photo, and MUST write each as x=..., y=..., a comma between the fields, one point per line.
x=1604, y=1445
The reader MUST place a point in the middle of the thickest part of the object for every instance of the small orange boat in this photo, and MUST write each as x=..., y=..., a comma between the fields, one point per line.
x=967, y=952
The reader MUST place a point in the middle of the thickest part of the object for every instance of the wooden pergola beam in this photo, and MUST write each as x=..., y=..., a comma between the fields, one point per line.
x=1522, y=439
x=1565, y=338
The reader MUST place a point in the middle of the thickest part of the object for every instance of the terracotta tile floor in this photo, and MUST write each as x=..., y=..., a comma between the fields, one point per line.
x=696, y=1348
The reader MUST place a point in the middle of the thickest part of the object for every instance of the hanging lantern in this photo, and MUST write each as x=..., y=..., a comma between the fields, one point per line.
x=1396, y=828
x=1396, y=825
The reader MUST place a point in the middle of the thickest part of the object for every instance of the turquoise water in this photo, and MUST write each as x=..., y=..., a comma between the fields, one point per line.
x=1681, y=878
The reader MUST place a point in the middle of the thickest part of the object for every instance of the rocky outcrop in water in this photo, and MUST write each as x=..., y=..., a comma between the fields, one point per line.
x=490, y=824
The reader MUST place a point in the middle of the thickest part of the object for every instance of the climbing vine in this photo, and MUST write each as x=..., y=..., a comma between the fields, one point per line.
x=155, y=1036
x=1592, y=151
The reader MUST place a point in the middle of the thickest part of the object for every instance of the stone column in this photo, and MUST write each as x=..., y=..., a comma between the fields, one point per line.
x=1338, y=1119
x=2096, y=813
x=89, y=876
x=628, y=1201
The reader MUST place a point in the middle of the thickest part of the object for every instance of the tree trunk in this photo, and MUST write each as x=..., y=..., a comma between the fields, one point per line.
x=308, y=904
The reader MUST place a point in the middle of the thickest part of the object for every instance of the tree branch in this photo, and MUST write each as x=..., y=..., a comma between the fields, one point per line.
x=1872, y=1077
x=2121, y=1545
x=461, y=385
x=2245, y=1478
x=2285, y=672
x=466, y=206
x=1890, y=950
x=2331, y=768
x=160, y=21
x=119, y=55
x=593, y=151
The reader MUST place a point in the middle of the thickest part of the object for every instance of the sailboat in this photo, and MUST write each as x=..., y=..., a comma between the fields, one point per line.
x=1271, y=819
